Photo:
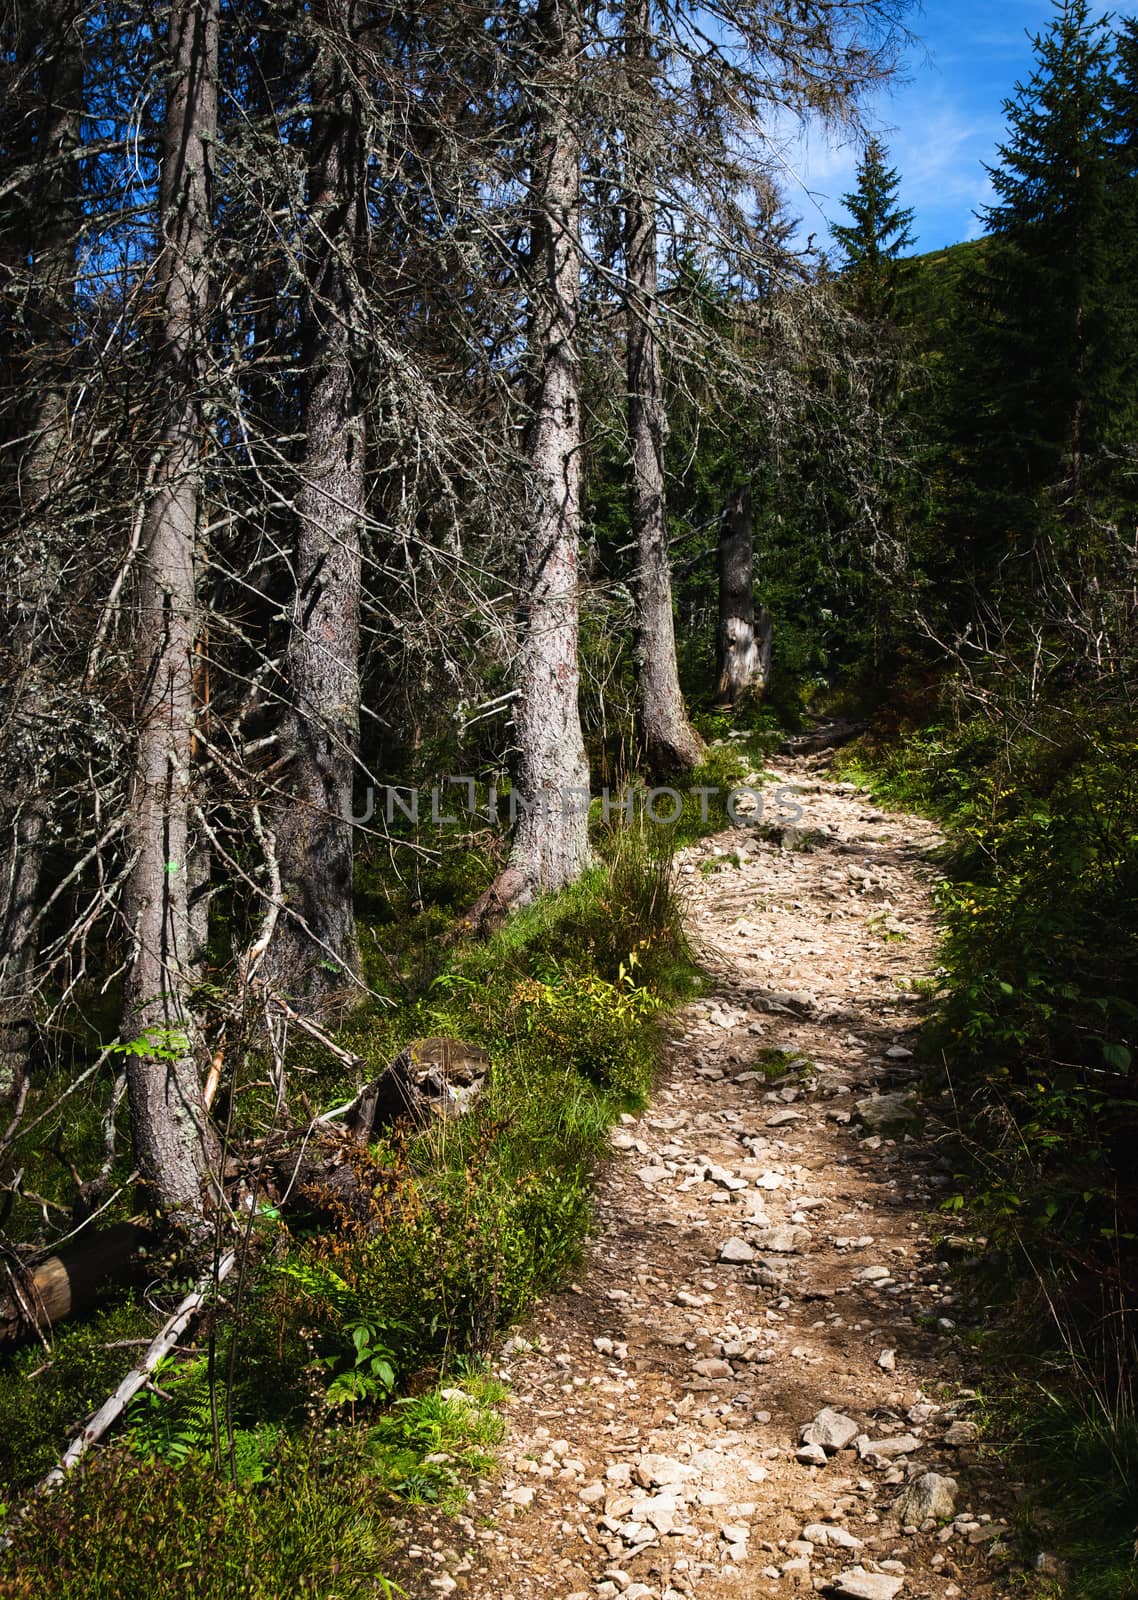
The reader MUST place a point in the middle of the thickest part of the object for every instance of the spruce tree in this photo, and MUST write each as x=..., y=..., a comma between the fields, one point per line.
x=1045, y=289
x=878, y=236
x=1122, y=204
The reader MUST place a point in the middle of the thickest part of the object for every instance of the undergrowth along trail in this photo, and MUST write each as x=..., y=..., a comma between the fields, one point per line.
x=763, y=1254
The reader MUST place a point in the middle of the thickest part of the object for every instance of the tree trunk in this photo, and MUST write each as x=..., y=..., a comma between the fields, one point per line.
x=25, y=803
x=315, y=946
x=744, y=646
x=174, y=1144
x=551, y=840
x=671, y=743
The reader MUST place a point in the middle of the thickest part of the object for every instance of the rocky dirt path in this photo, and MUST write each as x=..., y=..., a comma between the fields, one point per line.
x=757, y=1387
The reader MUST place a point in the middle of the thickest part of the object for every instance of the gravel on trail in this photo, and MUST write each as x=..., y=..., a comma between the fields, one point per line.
x=757, y=1387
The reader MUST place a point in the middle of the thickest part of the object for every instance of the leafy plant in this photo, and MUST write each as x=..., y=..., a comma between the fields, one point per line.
x=179, y=1416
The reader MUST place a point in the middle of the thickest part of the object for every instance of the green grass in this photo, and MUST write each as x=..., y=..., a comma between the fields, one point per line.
x=774, y=1063
x=128, y=1529
x=45, y=1395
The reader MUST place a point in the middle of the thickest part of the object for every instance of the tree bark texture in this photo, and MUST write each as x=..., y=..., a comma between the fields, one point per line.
x=551, y=842
x=744, y=644
x=671, y=743
x=52, y=217
x=315, y=945
x=174, y=1143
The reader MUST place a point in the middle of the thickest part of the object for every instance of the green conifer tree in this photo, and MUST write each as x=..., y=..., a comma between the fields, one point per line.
x=879, y=234
x=1122, y=204
x=1045, y=290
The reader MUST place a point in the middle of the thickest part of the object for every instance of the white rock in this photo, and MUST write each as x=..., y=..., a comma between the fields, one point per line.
x=736, y=1252
x=857, y=1584
x=831, y=1429
x=900, y=1445
x=713, y=1367
x=930, y=1495
x=783, y=1241
x=522, y=1496
x=830, y=1533
x=660, y=1511
x=653, y=1175
x=655, y=1471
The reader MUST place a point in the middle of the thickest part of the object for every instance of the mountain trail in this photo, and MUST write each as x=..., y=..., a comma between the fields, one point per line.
x=757, y=1386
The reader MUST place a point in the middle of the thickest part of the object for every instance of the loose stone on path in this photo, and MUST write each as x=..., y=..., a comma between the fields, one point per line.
x=732, y=1403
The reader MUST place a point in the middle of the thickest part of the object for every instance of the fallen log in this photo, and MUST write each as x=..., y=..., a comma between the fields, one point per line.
x=36, y=1297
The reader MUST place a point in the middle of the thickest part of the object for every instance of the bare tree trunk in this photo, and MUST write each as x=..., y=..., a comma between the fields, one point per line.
x=671, y=743
x=314, y=947
x=551, y=840
x=25, y=798
x=174, y=1143
x=744, y=646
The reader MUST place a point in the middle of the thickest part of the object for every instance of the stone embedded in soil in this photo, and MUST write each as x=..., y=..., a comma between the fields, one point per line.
x=831, y=1429
x=873, y=1275
x=811, y=1455
x=784, y=1240
x=857, y=1584
x=771, y=1180
x=658, y=1472
x=712, y=1367
x=902, y=1444
x=736, y=1252
x=828, y=1533
x=962, y=1433
x=890, y=1114
x=930, y=1495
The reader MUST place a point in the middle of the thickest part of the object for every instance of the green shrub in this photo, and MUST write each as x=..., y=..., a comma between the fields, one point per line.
x=468, y=1223
x=1038, y=1014
x=1077, y=1442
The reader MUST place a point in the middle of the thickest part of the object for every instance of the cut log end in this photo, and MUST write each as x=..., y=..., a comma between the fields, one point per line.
x=34, y=1298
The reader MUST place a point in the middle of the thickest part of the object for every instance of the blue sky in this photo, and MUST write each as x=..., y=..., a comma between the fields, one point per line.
x=940, y=125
